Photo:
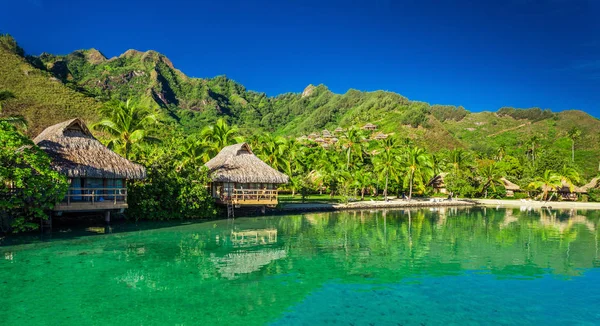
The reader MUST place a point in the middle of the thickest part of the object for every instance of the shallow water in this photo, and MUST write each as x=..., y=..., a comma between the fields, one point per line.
x=419, y=267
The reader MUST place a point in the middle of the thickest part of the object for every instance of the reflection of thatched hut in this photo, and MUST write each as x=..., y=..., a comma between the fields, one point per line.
x=438, y=184
x=369, y=126
x=510, y=187
x=241, y=178
x=96, y=174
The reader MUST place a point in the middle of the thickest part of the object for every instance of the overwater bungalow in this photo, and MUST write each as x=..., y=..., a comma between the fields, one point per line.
x=239, y=178
x=97, y=176
x=510, y=187
x=369, y=126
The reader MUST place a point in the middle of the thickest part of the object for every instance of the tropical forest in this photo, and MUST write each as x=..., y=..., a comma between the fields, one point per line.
x=346, y=147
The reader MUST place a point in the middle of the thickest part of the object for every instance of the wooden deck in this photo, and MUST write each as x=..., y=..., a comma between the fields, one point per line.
x=93, y=199
x=251, y=197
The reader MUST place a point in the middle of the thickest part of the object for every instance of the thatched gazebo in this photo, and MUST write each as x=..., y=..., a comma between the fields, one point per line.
x=240, y=178
x=437, y=183
x=510, y=187
x=96, y=174
x=369, y=126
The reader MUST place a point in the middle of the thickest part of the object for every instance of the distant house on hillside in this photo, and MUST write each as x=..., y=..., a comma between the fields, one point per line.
x=240, y=178
x=97, y=176
x=369, y=126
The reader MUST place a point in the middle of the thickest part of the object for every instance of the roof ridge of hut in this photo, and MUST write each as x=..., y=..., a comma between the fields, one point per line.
x=237, y=163
x=75, y=152
x=509, y=185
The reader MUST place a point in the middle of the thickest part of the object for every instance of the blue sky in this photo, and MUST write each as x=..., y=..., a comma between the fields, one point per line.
x=479, y=54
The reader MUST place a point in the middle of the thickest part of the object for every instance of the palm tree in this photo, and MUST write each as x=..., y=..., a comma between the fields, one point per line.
x=569, y=176
x=220, y=135
x=353, y=141
x=385, y=161
x=459, y=160
x=363, y=180
x=128, y=125
x=501, y=151
x=193, y=152
x=574, y=134
x=548, y=181
x=15, y=120
x=491, y=175
x=274, y=150
x=533, y=141
x=419, y=166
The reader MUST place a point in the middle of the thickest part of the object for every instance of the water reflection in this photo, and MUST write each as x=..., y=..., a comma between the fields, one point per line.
x=231, y=270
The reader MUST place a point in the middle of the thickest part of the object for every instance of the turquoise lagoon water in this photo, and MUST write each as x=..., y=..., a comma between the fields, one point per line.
x=421, y=267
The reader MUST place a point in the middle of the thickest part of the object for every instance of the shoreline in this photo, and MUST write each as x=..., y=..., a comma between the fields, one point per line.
x=426, y=203
x=537, y=204
x=392, y=203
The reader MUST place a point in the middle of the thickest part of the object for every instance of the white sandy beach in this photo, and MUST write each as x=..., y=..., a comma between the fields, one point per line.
x=537, y=204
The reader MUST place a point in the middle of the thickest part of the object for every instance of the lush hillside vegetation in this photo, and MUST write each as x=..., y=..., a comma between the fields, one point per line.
x=50, y=88
x=38, y=96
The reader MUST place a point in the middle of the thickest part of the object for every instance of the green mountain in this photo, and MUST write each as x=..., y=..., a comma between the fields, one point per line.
x=39, y=96
x=51, y=88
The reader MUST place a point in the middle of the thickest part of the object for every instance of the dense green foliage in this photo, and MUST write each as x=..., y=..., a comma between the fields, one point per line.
x=28, y=187
x=170, y=192
x=204, y=115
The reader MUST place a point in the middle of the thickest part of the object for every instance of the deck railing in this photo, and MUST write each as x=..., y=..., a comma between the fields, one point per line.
x=239, y=196
x=96, y=195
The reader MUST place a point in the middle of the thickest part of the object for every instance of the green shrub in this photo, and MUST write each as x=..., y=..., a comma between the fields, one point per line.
x=29, y=188
x=170, y=192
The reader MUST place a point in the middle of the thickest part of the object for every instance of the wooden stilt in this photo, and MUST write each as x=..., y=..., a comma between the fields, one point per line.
x=107, y=216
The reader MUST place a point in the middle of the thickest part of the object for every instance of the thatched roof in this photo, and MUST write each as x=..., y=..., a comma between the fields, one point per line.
x=320, y=140
x=369, y=126
x=595, y=183
x=236, y=163
x=509, y=185
x=326, y=133
x=77, y=154
x=339, y=129
x=438, y=181
x=380, y=135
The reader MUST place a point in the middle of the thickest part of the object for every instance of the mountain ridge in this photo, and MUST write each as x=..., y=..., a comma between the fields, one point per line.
x=87, y=76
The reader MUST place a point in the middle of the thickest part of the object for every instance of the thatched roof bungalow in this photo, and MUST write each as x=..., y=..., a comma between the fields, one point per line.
x=437, y=183
x=338, y=130
x=326, y=134
x=96, y=174
x=510, y=187
x=369, y=126
x=240, y=178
